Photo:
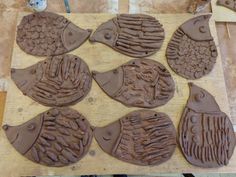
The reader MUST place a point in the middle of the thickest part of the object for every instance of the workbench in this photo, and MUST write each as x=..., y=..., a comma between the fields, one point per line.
x=102, y=106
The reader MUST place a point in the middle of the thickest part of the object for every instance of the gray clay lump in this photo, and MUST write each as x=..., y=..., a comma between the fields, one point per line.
x=49, y=34
x=135, y=35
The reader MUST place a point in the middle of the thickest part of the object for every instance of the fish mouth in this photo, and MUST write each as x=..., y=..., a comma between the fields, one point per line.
x=14, y=139
x=106, y=139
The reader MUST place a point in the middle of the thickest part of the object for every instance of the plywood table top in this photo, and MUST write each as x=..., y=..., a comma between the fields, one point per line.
x=101, y=110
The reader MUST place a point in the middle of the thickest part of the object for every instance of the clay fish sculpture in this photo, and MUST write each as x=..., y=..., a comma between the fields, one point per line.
x=141, y=137
x=140, y=83
x=57, y=137
x=206, y=135
x=57, y=81
x=198, y=5
x=230, y=4
x=192, y=53
x=135, y=35
x=49, y=34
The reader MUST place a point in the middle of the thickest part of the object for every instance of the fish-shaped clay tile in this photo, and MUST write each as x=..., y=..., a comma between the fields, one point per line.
x=140, y=82
x=192, y=52
x=141, y=137
x=135, y=35
x=206, y=134
x=56, y=81
x=198, y=5
x=57, y=137
x=230, y=4
x=49, y=34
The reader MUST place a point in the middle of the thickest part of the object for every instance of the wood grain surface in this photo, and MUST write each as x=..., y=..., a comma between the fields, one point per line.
x=161, y=6
x=227, y=38
x=101, y=110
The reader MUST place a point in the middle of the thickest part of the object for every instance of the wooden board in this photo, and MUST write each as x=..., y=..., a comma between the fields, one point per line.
x=222, y=14
x=101, y=110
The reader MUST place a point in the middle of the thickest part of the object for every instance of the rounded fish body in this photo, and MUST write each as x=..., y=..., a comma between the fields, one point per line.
x=135, y=35
x=49, y=34
x=57, y=137
x=192, y=52
x=140, y=82
x=141, y=137
x=206, y=135
x=230, y=4
x=57, y=81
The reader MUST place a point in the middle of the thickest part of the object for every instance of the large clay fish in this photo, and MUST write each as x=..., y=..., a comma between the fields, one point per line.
x=206, y=134
x=57, y=137
x=140, y=82
x=135, y=35
x=141, y=137
x=192, y=53
x=57, y=81
x=48, y=34
x=230, y=4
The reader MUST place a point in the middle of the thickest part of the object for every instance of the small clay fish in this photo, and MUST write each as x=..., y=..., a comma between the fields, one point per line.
x=192, y=52
x=140, y=82
x=135, y=35
x=49, y=34
x=57, y=81
x=206, y=134
x=57, y=137
x=141, y=137
x=230, y=4
x=198, y=5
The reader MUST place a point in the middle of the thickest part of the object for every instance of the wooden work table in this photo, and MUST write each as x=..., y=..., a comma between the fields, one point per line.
x=9, y=14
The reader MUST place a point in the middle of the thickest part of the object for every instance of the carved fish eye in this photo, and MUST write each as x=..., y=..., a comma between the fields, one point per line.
x=70, y=33
x=107, y=36
x=202, y=29
x=115, y=71
x=199, y=96
x=32, y=71
x=109, y=133
x=31, y=127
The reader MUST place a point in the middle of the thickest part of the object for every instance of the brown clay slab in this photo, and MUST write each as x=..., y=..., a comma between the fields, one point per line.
x=49, y=34
x=206, y=134
x=57, y=81
x=230, y=4
x=192, y=52
x=141, y=137
x=135, y=35
x=57, y=137
x=140, y=82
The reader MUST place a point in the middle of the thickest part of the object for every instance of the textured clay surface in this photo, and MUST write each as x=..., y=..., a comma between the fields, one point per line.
x=230, y=4
x=192, y=52
x=57, y=137
x=198, y=5
x=135, y=35
x=206, y=135
x=141, y=137
x=140, y=83
x=48, y=34
x=57, y=81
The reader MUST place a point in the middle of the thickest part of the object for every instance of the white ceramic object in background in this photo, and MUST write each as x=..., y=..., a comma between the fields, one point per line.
x=37, y=5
